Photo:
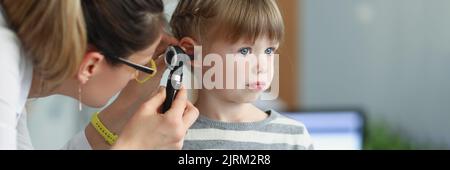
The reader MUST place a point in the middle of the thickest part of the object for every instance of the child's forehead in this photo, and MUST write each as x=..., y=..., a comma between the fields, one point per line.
x=265, y=39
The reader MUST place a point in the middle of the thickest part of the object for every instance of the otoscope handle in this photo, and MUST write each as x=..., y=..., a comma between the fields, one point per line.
x=172, y=86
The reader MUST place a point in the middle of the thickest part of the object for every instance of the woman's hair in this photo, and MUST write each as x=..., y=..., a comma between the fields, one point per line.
x=55, y=33
x=230, y=20
x=119, y=28
x=52, y=34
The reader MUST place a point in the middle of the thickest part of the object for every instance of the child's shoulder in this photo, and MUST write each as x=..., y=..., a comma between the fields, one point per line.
x=296, y=130
x=288, y=125
x=282, y=119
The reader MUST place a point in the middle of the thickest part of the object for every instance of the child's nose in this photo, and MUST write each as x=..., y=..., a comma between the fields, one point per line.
x=261, y=65
x=258, y=69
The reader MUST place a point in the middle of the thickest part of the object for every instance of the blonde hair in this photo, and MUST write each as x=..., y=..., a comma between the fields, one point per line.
x=53, y=35
x=227, y=19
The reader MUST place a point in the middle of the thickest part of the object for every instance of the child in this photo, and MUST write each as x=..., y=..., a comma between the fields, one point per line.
x=228, y=120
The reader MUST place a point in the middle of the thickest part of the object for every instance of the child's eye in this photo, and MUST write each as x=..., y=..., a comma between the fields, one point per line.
x=270, y=51
x=245, y=51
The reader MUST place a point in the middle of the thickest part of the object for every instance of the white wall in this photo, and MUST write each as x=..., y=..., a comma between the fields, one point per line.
x=389, y=57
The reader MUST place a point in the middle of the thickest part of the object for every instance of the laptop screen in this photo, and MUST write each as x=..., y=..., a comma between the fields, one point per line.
x=333, y=130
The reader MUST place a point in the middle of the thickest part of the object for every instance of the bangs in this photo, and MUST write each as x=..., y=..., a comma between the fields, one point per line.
x=248, y=19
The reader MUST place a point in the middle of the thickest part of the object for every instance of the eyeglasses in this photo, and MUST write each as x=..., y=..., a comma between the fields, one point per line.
x=148, y=72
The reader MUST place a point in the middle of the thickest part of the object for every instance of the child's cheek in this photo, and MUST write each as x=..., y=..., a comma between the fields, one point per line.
x=272, y=66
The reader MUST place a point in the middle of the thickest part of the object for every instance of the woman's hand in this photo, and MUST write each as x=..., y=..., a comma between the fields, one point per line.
x=149, y=129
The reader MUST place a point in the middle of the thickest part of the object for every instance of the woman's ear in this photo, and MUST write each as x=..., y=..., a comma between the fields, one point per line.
x=89, y=66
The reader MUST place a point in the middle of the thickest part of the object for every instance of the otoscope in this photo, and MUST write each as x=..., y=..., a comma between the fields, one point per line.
x=174, y=62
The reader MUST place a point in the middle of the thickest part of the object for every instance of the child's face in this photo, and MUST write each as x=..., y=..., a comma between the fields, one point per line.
x=258, y=66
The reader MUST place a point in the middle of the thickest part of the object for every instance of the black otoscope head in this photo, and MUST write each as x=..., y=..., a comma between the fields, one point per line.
x=172, y=56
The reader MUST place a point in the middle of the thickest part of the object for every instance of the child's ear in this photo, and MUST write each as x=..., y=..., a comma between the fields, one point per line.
x=187, y=43
x=89, y=66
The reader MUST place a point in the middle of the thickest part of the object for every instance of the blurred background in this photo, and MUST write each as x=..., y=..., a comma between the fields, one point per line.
x=386, y=61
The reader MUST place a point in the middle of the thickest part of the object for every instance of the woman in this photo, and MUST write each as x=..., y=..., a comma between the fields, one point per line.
x=45, y=51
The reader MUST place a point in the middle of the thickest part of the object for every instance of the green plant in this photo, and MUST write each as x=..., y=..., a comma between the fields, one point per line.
x=380, y=137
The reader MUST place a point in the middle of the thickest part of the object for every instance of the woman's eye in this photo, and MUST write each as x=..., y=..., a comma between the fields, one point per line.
x=270, y=51
x=245, y=51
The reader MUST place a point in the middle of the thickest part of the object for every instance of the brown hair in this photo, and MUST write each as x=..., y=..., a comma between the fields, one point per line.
x=227, y=19
x=52, y=34
x=119, y=28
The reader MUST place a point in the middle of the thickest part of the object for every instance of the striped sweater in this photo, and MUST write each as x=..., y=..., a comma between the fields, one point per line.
x=277, y=132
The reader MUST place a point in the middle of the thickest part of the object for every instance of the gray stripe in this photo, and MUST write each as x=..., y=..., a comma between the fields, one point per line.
x=232, y=145
x=238, y=125
x=270, y=128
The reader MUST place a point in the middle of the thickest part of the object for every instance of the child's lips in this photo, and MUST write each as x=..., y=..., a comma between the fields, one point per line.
x=257, y=86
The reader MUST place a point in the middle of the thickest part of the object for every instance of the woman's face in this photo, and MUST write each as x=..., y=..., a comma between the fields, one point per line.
x=109, y=80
